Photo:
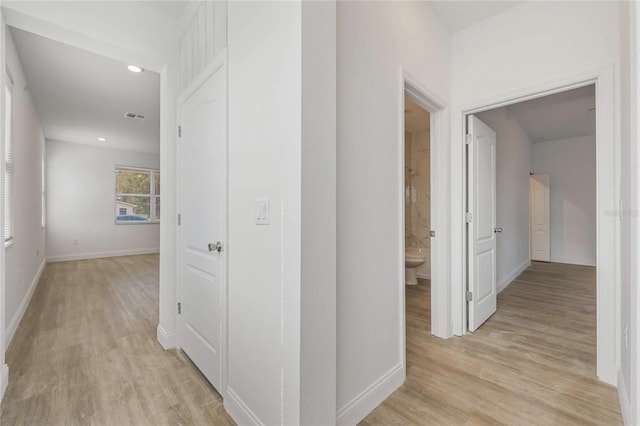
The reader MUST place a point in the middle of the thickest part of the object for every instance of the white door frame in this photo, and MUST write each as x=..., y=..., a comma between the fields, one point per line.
x=439, y=125
x=216, y=63
x=607, y=151
x=166, y=69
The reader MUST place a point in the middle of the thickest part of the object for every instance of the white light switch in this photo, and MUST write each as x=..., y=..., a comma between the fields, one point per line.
x=262, y=212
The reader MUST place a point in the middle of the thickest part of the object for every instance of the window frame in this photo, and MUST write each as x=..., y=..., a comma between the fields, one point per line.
x=153, y=220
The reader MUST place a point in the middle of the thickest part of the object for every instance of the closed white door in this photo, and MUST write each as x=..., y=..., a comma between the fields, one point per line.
x=481, y=151
x=202, y=193
x=540, y=218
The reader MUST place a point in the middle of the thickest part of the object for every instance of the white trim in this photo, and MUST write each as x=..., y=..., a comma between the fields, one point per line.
x=623, y=397
x=423, y=276
x=4, y=379
x=367, y=400
x=504, y=283
x=101, y=254
x=22, y=308
x=167, y=339
x=239, y=411
x=607, y=147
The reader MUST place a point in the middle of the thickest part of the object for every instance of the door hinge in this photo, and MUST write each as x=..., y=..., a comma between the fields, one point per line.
x=468, y=296
x=179, y=308
x=179, y=219
x=468, y=139
x=468, y=217
x=179, y=131
x=432, y=234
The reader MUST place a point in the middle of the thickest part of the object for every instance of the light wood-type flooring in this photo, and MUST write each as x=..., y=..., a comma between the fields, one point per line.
x=532, y=363
x=86, y=353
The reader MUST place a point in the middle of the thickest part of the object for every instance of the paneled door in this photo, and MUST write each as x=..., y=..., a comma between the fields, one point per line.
x=481, y=222
x=202, y=172
x=540, y=218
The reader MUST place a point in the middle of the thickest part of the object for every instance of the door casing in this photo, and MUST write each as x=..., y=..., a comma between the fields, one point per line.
x=607, y=147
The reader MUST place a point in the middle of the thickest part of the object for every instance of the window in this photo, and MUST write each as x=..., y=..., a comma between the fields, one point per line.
x=137, y=195
x=8, y=162
x=43, y=187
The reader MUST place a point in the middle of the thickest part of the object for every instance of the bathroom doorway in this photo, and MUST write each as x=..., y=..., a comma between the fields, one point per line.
x=417, y=223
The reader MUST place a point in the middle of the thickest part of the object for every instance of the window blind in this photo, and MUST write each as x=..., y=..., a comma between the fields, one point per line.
x=8, y=163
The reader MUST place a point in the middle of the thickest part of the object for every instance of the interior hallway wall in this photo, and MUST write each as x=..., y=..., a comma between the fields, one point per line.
x=26, y=257
x=398, y=35
x=571, y=166
x=514, y=160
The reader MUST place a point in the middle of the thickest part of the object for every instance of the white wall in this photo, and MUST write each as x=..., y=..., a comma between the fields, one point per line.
x=80, y=203
x=369, y=245
x=571, y=166
x=513, y=164
x=264, y=261
x=25, y=258
x=529, y=47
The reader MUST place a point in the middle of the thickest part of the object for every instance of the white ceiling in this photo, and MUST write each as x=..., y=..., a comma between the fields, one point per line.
x=81, y=96
x=416, y=118
x=561, y=116
x=456, y=15
x=170, y=9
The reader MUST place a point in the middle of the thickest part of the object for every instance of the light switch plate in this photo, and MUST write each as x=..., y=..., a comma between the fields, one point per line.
x=263, y=216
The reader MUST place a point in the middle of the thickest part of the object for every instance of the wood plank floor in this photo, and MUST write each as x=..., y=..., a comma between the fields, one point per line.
x=86, y=353
x=532, y=363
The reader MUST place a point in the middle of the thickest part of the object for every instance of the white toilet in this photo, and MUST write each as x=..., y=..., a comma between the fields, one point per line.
x=413, y=257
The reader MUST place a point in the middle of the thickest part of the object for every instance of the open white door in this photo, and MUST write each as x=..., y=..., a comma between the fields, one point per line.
x=202, y=192
x=481, y=160
x=540, y=217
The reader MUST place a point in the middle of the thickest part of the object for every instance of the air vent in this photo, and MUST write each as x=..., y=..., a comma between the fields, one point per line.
x=133, y=116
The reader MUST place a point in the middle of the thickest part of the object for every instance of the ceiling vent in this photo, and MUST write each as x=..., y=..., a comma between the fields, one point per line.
x=132, y=116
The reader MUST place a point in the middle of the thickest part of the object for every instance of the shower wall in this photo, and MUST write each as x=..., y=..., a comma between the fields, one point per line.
x=418, y=196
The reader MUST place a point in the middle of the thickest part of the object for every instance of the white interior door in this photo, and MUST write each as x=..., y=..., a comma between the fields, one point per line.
x=481, y=200
x=202, y=145
x=540, y=218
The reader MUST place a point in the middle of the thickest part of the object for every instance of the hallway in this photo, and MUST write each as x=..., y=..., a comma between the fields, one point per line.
x=86, y=353
x=533, y=362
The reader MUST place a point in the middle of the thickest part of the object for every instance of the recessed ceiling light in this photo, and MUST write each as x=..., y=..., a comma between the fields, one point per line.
x=135, y=68
x=102, y=139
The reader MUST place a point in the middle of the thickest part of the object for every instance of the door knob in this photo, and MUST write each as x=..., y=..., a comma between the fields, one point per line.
x=217, y=246
x=497, y=230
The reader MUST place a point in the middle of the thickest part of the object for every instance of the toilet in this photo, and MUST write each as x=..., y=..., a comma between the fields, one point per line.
x=413, y=257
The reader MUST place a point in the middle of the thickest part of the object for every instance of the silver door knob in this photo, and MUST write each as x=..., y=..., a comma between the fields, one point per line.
x=497, y=230
x=217, y=246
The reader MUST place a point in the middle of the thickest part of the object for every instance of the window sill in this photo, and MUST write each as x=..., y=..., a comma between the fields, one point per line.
x=137, y=222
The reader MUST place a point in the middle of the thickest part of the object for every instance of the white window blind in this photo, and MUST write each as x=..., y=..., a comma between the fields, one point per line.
x=8, y=163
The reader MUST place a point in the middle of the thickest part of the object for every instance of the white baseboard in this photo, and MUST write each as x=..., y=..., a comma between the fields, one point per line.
x=167, y=339
x=22, y=308
x=98, y=255
x=4, y=379
x=239, y=411
x=423, y=276
x=504, y=283
x=574, y=261
x=364, y=403
x=623, y=396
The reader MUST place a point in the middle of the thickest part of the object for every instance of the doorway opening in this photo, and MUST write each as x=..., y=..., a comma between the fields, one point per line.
x=422, y=210
x=549, y=166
